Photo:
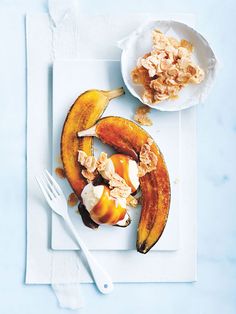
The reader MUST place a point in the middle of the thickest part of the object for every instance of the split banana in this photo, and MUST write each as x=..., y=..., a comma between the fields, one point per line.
x=84, y=113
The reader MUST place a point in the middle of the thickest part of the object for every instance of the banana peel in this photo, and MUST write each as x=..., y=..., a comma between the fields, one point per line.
x=128, y=138
x=84, y=113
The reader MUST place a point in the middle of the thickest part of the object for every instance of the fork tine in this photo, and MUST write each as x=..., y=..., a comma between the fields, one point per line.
x=50, y=185
x=54, y=182
x=46, y=188
x=43, y=190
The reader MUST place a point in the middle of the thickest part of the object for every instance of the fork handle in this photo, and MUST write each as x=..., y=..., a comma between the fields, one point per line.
x=101, y=278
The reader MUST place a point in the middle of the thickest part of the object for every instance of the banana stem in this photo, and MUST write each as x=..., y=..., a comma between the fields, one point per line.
x=114, y=93
x=89, y=132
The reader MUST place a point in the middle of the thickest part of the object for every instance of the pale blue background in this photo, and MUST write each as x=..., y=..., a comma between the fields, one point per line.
x=216, y=287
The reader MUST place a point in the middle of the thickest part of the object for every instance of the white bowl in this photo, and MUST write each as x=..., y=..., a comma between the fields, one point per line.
x=140, y=42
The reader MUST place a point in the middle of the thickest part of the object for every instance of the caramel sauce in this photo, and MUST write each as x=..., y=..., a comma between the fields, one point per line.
x=107, y=210
x=121, y=164
x=87, y=220
x=99, y=180
x=60, y=172
x=72, y=199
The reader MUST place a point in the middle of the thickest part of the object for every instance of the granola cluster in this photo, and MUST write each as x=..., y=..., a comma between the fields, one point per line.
x=166, y=69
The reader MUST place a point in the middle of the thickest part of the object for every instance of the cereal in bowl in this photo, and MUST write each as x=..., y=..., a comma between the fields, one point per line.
x=165, y=70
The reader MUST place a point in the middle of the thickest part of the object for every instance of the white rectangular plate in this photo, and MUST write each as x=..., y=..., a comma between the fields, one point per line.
x=70, y=79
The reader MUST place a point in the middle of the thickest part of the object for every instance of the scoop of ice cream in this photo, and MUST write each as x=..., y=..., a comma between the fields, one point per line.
x=103, y=208
x=125, y=167
x=91, y=195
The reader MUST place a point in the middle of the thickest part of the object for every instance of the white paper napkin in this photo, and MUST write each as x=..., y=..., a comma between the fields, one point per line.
x=64, y=269
x=63, y=39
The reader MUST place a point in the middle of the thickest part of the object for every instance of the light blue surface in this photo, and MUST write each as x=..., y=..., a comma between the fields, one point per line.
x=215, y=290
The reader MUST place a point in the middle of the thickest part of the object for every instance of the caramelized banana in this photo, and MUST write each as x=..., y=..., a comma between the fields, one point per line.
x=128, y=138
x=84, y=113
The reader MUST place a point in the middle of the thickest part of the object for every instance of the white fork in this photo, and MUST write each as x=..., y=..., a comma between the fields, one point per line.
x=57, y=201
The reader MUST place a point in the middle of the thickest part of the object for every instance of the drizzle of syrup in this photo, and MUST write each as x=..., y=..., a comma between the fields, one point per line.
x=87, y=220
x=60, y=172
x=99, y=180
x=107, y=210
x=72, y=199
x=121, y=164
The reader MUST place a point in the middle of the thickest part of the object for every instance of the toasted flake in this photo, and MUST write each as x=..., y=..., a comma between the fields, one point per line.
x=160, y=97
x=150, y=141
x=183, y=52
x=149, y=65
x=198, y=77
x=101, y=163
x=172, y=71
x=90, y=176
x=90, y=163
x=148, y=96
x=174, y=42
x=165, y=64
x=82, y=157
x=116, y=181
x=118, y=186
x=148, y=160
x=141, y=115
x=158, y=86
x=132, y=201
x=120, y=192
x=183, y=78
x=186, y=44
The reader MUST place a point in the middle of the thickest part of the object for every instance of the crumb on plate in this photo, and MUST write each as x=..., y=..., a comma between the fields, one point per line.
x=141, y=115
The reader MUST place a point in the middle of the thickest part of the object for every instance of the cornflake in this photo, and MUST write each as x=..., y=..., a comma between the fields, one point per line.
x=148, y=160
x=101, y=163
x=132, y=201
x=90, y=176
x=118, y=186
x=166, y=69
x=141, y=115
x=90, y=165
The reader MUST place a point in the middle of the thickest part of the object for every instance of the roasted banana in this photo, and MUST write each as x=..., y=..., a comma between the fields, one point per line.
x=84, y=113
